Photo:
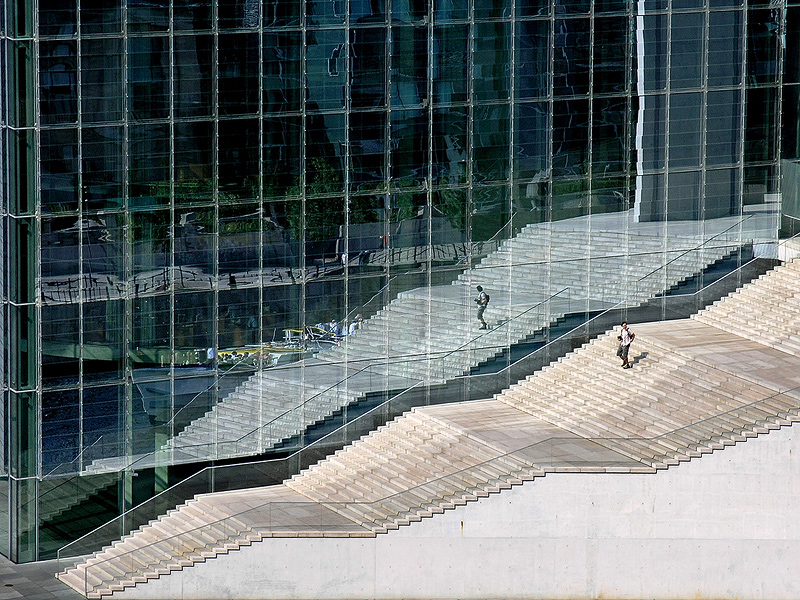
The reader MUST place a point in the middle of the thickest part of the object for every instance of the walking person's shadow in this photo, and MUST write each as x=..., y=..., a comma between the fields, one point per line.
x=641, y=356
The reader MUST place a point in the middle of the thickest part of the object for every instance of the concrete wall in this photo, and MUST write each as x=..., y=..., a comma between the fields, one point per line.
x=723, y=526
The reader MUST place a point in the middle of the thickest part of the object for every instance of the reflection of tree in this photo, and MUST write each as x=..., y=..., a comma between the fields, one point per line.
x=323, y=214
x=452, y=204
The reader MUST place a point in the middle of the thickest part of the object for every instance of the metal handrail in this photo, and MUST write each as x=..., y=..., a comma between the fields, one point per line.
x=376, y=410
x=519, y=455
x=439, y=355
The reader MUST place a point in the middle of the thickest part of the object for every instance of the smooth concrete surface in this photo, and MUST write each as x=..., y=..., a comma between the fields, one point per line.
x=720, y=527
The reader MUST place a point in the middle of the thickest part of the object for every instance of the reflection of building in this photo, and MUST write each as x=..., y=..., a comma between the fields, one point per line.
x=189, y=176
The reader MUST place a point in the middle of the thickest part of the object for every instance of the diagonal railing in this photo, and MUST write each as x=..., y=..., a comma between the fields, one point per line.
x=252, y=474
x=441, y=493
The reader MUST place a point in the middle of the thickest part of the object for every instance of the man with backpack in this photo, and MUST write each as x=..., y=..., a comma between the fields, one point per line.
x=482, y=301
x=625, y=338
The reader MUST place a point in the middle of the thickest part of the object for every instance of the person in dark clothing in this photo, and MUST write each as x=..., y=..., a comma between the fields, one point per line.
x=482, y=301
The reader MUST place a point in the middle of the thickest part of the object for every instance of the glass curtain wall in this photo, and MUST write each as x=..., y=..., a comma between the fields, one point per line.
x=224, y=222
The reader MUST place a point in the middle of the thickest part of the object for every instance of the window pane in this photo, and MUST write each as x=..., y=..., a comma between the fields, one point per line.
x=58, y=78
x=238, y=73
x=101, y=80
x=148, y=75
x=282, y=77
x=59, y=169
x=571, y=68
x=192, y=80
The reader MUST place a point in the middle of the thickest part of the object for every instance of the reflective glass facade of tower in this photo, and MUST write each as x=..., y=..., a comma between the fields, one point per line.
x=192, y=190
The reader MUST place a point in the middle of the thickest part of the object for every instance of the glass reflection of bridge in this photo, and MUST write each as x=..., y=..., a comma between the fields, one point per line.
x=98, y=287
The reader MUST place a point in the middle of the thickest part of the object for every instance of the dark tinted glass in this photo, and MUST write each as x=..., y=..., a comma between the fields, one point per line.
x=492, y=9
x=58, y=78
x=148, y=77
x=567, y=7
x=723, y=126
x=57, y=17
x=491, y=71
x=326, y=69
x=611, y=51
x=325, y=12
x=606, y=6
x=102, y=167
x=148, y=15
x=194, y=144
x=279, y=13
x=792, y=64
x=239, y=14
x=238, y=159
x=491, y=143
x=533, y=8
x=450, y=126
x=532, y=141
x=192, y=75
x=282, y=82
x=148, y=159
x=763, y=37
x=450, y=10
x=282, y=149
x=410, y=10
x=367, y=11
x=570, y=138
x=101, y=80
x=533, y=59
x=60, y=428
x=368, y=67
x=571, y=57
x=238, y=73
x=450, y=54
x=761, y=131
x=722, y=193
x=653, y=135
x=409, y=66
x=367, y=144
x=790, y=142
x=609, y=139
x=653, y=38
x=325, y=139
x=409, y=148
x=59, y=169
x=100, y=16
x=192, y=15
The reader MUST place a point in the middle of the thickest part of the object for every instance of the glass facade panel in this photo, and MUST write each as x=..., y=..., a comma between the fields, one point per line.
x=198, y=197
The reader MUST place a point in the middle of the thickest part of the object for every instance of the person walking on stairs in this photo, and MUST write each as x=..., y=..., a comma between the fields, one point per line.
x=482, y=301
x=625, y=338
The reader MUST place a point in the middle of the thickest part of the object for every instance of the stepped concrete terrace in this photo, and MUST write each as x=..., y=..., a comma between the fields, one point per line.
x=694, y=389
x=430, y=335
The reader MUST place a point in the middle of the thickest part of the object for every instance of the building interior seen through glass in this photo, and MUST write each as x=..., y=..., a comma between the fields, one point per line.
x=230, y=224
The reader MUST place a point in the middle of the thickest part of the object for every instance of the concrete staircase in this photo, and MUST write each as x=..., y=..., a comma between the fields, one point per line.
x=743, y=312
x=695, y=388
x=430, y=334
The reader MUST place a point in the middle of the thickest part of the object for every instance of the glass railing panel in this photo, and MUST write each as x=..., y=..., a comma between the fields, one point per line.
x=481, y=477
x=345, y=427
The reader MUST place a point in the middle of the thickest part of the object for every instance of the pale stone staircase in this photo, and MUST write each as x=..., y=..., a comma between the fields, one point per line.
x=782, y=306
x=430, y=334
x=694, y=388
